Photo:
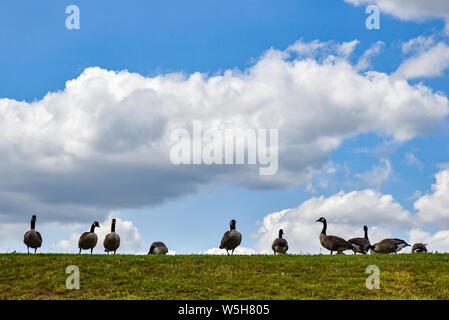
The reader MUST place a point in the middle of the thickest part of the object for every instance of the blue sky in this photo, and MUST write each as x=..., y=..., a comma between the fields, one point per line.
x=155, y=38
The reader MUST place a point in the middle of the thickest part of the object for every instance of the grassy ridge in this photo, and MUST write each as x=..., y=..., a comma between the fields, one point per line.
x=405, y=276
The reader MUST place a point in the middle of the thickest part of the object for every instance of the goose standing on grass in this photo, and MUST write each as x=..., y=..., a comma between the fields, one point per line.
x=88, y=240
x=158, y=248
x=112, y=240
x=389, y=246
x=419, y=247
x=231, y=239
x=332, y=243
x=32, y=238
x=280, y=245
x=360, y=245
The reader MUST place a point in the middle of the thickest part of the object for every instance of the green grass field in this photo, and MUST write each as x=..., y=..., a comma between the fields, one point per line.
x=404, y=276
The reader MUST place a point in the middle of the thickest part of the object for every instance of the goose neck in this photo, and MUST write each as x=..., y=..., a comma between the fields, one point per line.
x=324, y=227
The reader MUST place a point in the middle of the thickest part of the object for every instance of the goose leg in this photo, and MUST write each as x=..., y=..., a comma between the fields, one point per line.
x=28, y=248
x=91, y=249
x=232, y=251
x=80, y=251
x=227, y=252
x=331, y=252
x=35, y=250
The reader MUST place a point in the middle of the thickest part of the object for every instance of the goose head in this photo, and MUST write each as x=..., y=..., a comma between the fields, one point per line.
x=281, y=233
x=232, y=224
x=322, y=219
x=96, y=224
x=33, y=221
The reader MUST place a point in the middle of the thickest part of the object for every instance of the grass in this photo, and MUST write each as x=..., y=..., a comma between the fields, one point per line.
x=404, y=276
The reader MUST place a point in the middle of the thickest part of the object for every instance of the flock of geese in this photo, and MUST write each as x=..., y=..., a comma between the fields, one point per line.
x=232, y=239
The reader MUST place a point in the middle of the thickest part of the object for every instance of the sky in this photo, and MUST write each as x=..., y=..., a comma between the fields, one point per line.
x=88, y=115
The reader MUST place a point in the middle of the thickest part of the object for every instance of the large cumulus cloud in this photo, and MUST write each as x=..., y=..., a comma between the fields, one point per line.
x=103, y=144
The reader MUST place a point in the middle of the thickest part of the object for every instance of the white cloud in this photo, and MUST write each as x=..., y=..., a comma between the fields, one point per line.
x=102, y=143
x=365, y=60
x=237, y=251
x=438, y=241
x=377, y=175
x=412, y=160
x=434, y=207
x=419, y=44
x=12, y=233
x=426, y=63
x=415, y=195
x=130, y=238
x=346, y=214
x=414, y=10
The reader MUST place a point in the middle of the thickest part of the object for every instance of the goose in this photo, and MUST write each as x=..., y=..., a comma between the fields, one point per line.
x=389, y=246
x=32, y=238
x=280, y=245
x=231, y=239
x=112, y=240
x=360, y=244
x=88, y=240
x=158, y=248
x=419, y=247
x=332, y=243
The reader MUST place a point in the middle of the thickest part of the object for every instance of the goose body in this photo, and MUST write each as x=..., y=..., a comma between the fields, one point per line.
x=389, y=246
x=360, y=245
x=112, y=240
x=280, y=245
x=88, y=240
x=332, y=243
x=32, y=238
x=419, y=247
x=158, y=248
x=231, y=239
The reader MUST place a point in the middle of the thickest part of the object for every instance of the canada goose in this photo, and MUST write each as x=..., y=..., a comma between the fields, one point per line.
x=32, y=238
x=389, y=246
x=88, y=240
x=332, y=243
x=231, y=239
x=280, y=245
x=419, y=247
x=360, y=244
x=158, y=248
x=112, y=240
